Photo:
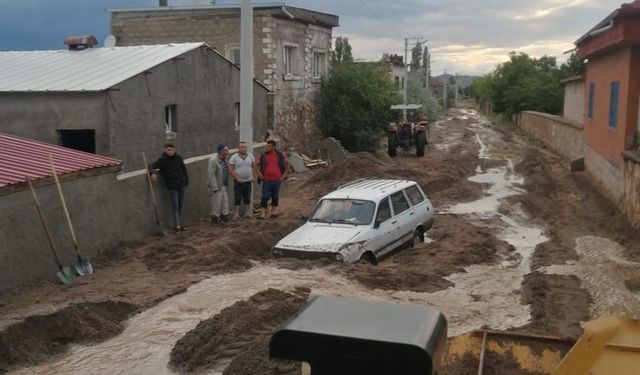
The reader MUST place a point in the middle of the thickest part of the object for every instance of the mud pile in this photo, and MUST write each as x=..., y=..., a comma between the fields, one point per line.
x=39, y=337
x=240, y=336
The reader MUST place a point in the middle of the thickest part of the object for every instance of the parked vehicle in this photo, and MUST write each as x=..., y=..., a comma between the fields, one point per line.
x=363, y=220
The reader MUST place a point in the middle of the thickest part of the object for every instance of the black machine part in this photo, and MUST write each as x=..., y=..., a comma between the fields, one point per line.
x=341, y=336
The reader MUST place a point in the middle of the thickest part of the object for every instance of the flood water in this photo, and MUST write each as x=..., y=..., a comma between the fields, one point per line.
x=483, y=295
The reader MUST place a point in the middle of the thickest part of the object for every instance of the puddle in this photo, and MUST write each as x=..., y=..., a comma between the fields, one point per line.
x=606, y=274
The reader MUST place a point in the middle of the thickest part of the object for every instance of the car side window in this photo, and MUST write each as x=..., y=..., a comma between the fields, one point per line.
x=414, y=194
x=399, y=203
x=384, y=211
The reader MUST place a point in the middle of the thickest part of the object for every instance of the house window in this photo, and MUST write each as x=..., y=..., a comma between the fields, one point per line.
x=319, y=60
x=81, y=140
x=290, y=59
x=171, y=119
x=237, y=116
x=592, y=92
x=234, y=55
x=397, y=82
x=613, y=104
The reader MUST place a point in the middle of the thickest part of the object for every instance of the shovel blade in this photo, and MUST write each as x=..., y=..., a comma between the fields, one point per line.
x=66, y=276
x=84, y=268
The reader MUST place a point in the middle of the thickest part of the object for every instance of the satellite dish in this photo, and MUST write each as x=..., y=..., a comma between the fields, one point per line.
x=110, y=41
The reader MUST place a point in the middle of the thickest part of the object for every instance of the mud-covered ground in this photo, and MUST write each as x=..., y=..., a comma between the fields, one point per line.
x=502, y=254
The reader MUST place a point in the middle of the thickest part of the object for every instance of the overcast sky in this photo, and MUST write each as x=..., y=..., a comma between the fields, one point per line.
x=465, y=36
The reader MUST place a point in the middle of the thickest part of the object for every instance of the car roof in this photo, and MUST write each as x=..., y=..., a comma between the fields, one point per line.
x=369, y=189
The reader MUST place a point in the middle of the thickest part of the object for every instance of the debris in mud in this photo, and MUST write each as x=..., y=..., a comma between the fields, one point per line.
x=39, y=337
x=239, y=336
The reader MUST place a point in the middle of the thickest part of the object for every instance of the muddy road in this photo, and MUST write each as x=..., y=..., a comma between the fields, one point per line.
x=519, y=243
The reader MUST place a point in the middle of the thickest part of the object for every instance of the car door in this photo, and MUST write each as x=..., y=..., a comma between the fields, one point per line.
x=421, y=209
x=383, y=234
x=402, y=218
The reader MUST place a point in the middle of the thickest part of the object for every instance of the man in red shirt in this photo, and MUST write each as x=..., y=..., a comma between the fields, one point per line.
x=273, y=168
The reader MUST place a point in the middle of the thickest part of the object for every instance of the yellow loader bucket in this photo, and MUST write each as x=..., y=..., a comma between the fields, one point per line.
x=486, y=352
x=608, y=346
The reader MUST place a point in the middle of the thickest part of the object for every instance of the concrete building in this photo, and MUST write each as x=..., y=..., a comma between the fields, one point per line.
x=573, y=108
x=437, y=87
x=612, y=95
x=121, y=101
x=396, y=70
x=292, y=48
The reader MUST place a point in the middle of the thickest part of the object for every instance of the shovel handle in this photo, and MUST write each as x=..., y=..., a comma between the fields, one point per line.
x=44, y=224
x=64, y=206
x=153, y=194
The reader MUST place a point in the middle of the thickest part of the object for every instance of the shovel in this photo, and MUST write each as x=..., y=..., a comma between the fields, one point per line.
x=84, y=267
x=65, y=274
x=153, y=195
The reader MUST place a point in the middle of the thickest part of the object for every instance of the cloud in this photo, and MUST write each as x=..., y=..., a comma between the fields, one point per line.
x=554, y=7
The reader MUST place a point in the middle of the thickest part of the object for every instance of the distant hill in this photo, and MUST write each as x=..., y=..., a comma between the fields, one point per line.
x=463, y=80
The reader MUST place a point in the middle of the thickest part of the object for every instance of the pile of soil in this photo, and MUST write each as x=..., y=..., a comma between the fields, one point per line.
x=41, y=336
x=459, y=243
x=239, y=335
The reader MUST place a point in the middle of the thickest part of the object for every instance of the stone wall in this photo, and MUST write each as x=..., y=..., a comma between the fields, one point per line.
x=562, y=135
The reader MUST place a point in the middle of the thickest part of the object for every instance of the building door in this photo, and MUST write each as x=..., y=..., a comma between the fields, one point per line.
x=81, y=140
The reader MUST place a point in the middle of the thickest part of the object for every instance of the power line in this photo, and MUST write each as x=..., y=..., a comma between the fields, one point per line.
x=398, y=34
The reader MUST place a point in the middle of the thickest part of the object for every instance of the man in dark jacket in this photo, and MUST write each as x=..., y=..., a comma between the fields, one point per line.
x=175, y=176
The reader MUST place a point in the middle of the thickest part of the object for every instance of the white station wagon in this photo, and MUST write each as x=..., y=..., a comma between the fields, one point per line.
x=364, y=219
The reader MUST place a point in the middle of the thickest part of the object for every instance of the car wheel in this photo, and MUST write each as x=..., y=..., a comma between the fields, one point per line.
x=369, y=257
x=418, y=238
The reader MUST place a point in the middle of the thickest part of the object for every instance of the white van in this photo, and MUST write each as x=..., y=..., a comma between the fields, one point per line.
x=364, y=219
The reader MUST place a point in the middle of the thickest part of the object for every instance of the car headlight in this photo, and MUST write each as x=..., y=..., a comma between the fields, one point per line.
x=339, y=257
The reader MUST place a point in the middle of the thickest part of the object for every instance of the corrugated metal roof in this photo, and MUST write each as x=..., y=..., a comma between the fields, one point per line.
x=22, y=159
x=92, y=69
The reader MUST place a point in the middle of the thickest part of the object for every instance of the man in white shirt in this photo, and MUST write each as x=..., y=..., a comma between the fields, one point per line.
x=242, y=167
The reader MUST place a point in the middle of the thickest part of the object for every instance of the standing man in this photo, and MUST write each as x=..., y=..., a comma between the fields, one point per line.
x=174, y=172
x=241, y=167
x=274, y=168
x=218, y=172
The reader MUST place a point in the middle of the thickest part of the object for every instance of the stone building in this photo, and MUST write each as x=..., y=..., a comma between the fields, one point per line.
x=121, y=101
x=291, y=51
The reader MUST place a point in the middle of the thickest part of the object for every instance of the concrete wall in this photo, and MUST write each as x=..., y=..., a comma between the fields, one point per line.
x=203, y=86
x=106, y=211
x=563, y=136
x=40, y=115
x=631, y=201
x=606, y=177
x=574, y=98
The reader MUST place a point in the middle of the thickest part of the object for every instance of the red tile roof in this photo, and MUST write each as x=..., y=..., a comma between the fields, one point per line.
x=22, y=159
x=434, y=82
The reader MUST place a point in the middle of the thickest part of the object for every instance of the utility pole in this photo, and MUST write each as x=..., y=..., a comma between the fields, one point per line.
x=246, y=74
x=406, y=79
x=456, y=94
x=406, y=75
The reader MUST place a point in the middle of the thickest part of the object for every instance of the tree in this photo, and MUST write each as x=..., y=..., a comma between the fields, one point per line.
x=573, y=67
x=416, y=57
x=342, y=51
x=417, y=93
x=355, y=102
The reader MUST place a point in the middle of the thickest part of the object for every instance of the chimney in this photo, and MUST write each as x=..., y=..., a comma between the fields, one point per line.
x=163, y=3
x=80, y=42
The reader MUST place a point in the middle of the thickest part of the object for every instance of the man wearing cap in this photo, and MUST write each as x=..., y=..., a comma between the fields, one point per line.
x=218, y=172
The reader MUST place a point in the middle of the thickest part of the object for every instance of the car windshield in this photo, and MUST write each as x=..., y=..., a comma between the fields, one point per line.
x=351, y=211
